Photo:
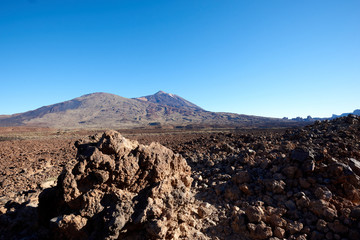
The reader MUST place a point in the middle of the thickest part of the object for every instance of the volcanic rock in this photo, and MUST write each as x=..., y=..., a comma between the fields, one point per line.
x=259, y=231
x=254, y=213
x=120, y=189
x=295, y=184
x=355, y=213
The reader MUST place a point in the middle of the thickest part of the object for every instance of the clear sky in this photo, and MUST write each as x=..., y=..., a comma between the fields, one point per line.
x=261, y=57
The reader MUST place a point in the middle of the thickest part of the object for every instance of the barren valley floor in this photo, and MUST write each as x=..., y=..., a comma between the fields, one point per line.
x=248, y=184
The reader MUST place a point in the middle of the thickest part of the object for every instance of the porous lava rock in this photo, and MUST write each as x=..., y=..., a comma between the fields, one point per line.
x=120, y=189
x=263, y=184
x=299, y=184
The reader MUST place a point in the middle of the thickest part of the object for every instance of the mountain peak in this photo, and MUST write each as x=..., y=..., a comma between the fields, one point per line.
x=160, y=92
x=169, y=99
x=164, y=93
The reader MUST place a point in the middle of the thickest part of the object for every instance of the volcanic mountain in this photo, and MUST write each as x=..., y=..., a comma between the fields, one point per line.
x=105, y=110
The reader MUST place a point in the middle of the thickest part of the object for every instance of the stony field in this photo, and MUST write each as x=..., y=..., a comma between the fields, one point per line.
x=245, y=184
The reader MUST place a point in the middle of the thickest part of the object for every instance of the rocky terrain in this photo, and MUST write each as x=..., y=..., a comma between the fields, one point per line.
x=262, y=184
x=162, y=110
x=303, y=184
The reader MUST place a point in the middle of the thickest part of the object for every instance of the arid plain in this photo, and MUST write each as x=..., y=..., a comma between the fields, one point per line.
x=299, y=183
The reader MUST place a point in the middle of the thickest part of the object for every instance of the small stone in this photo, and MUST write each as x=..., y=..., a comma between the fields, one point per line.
x=355, y=165
x=304, y=183
x=329, y=236
x=323, y=193
x=232, y=193
x=241, y=177
x=301, y=154
x=290, y=205
x=204, y=210
x=259, y=231
x=238, y=224
x=354, y=234
x=355, y=213
x=321, y=226
x=308, y=166
x=254, y=213
x=245, y=189
x=294, y=227
x=275, y=186
x=302, y=237
x=2, y=210
x=303, y=202
x=279, y=232
x=315, y=235
x=48, y=184
x=289, y=171
x=338, y=227
x=276, y=221
x=323, y=209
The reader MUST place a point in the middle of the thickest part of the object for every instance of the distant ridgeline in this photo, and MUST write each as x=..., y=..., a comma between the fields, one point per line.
x=160, y=110
x=310, y=119
x=356, y=112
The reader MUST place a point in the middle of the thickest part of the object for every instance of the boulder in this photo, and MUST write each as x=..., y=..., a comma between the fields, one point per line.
x=120, y=189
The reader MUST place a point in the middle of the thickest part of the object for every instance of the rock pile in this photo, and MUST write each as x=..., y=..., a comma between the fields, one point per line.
x=303, y=184
x=120, y=189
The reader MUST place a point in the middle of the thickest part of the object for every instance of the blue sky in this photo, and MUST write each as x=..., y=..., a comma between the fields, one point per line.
x=270, y=58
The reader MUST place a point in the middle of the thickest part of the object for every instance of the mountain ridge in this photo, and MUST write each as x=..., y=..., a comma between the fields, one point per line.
x=106, y=110
x=313, y=119
x=355, y=112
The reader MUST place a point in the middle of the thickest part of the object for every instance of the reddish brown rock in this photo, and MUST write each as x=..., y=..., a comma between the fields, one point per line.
x=121, y=189
x=290, y=171
x=321, y=226
x=242, y=177
x=254, y=213
x=323, y=209
x=323, y=193
x=308, y=176
x=279, y=232
x=355, y=213
x=259, y=231
x=294, y=227
x=338, y=227
x=276, y=221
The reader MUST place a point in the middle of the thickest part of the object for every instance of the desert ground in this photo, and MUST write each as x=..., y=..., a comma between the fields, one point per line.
x=299, y=183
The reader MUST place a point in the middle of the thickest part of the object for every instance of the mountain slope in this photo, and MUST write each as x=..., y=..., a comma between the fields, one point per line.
x=104, y=110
